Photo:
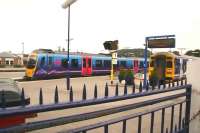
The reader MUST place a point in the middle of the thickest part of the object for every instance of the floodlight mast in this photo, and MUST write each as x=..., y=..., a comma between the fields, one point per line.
x=68, y=3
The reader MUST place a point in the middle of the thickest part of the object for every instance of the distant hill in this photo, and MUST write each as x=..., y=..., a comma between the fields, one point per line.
x=130, y=53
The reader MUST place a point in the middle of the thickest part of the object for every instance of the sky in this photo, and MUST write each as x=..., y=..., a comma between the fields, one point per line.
x=43, y=23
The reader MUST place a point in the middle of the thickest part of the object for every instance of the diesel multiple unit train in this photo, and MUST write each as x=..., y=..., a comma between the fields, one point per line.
x=47, y=64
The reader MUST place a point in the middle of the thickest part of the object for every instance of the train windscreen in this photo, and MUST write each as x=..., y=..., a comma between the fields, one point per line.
x=31, y=62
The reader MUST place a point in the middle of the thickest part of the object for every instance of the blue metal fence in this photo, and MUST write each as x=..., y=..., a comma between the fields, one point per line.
x=22, y=110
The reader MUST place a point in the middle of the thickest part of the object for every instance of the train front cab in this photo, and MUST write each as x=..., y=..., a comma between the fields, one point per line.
x=31, y=66
x=164, y=65
x=86, y=66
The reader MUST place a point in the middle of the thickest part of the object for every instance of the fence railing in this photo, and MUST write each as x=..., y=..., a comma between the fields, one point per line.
x=22, y=110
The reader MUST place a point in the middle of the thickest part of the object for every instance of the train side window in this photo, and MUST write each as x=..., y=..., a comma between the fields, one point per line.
x=107, y=63
x=50, y=61
x=98, y=63
x=123, y=64
x=64, y=62
x=74, y=63
x=42, y=61
x=169, y=64
x=141, y=64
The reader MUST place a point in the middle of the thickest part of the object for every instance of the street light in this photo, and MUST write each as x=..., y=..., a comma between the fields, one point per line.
x=65, y=5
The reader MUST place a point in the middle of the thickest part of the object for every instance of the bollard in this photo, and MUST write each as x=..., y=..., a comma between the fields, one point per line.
x=183, y=123
x=106, y=90
x=71, y=94
x=166, y=130
x=23, y=97
x=116, y=90
x=140, y=87
x=95, y=91
x=56, y=95
x=84, y=92
x=125, y=89
x=188, y=106
x=175, y=128
x=40, y=97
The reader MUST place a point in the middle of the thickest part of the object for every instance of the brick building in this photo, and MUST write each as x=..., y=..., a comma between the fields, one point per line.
x=9, y=59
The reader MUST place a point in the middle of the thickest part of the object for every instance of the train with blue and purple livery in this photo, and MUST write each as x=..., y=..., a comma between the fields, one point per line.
x=48, y=64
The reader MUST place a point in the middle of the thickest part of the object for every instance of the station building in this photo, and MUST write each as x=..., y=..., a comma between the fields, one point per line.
x=9, y=59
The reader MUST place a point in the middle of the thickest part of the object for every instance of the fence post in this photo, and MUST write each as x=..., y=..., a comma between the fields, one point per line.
x=40, y=97
x=187, y=110
x=3, y=99
x=56, y=95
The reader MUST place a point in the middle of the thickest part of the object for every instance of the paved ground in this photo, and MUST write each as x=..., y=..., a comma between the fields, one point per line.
x=32, y=89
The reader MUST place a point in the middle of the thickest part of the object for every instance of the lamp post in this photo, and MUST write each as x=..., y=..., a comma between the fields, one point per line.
x=65, y=5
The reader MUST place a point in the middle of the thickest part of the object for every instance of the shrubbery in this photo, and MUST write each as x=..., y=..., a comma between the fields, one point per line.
x=127, y=75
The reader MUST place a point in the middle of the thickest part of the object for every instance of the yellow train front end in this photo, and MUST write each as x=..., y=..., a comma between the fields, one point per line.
x=31, y=66
x=162, y=66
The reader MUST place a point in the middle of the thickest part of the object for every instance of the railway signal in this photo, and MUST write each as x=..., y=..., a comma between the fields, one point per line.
x=112, y=46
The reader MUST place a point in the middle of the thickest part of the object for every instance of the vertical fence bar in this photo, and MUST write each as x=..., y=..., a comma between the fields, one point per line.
x=139, y=123
x=117, y=90
x=95, y=91
x=71, y=95
x=84, y=93
x=185, y=81
x=180, y=116
x=169, y=84
x=40, y=97
x=172, y=120
x=181, y=81
x=187, y=110
x=147, y=86
x=177, y=82
x=56, y=95
x=23, y=97
x=172, y=83
x=159, y=84
x=106, y=129
x=163, y=120
x=106, y=90
x=140, y=87
x=133, y=91
x=3, y=99
x=124, y=126
x=152, y=122
x=164, y=84
x=125, y=89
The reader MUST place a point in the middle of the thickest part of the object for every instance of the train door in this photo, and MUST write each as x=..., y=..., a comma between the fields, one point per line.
x=135, y=66
x=86, y=66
